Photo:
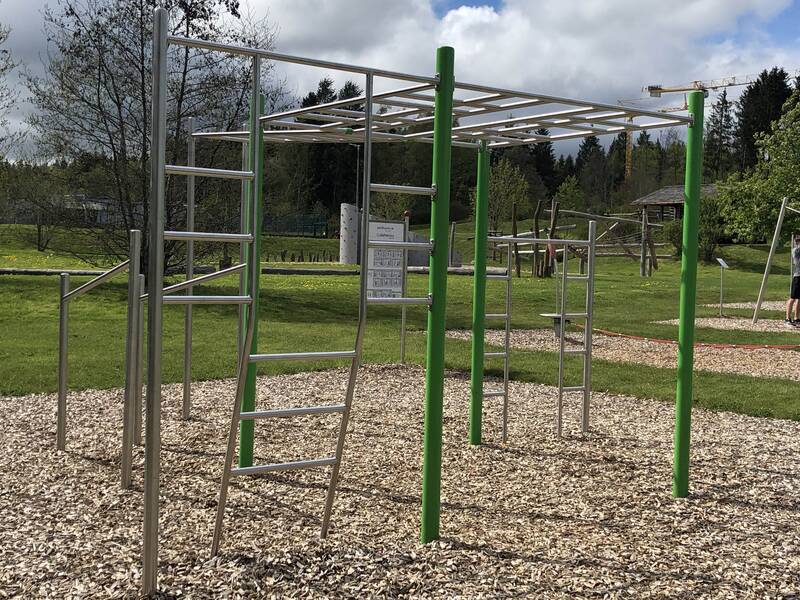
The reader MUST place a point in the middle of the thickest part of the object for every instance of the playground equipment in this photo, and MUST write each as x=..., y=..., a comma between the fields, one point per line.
x=561, y=318
x=776, y=239
x=404, y=114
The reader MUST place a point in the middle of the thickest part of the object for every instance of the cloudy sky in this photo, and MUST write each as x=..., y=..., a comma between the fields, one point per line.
x=599, y=50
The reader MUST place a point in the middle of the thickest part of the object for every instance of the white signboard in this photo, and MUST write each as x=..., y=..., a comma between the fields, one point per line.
x=385, y=266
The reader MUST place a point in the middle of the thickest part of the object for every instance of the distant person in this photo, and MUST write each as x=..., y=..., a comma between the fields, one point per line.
x=793, y=305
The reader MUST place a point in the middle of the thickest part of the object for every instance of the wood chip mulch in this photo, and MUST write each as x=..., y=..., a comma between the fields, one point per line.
x=740, y=324
x=765, y=305
x=758, y=362
x=538, y=517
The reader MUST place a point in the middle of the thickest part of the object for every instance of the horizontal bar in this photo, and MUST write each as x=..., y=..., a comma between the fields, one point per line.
x=493, y=276
x=494, y=354
x=206, y=300
x=520, y=241
x=96, y=281
x=206, y=172
x=590, y=216
x=574, y=388
x=494, y=393
x=400, y=301
x=496, y=316
x=792, y=209
x=199, y=236
x=402, y=189
x=242, y=137
x=293, y=412
x=302, y=356
x=300, y=60
x=577, y=278
x=572, y=351
x=202, y=279
x=565, y=316
x=424, y=246
x=287, y=466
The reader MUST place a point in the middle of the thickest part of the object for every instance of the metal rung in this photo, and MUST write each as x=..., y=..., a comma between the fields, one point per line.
x=496, y=315
x=573, y=351
x=287, y=466
x=427, y=301
x=402, y=189
x=577, y=277
x=424, y=246
x=574, y=388
x=493, y=276
x=293, y=412
x=494, y=394
x=208, y=237
x=206, y=300
x=302, y=356
x=494, y=354
x=582, y=315
x=206, y=172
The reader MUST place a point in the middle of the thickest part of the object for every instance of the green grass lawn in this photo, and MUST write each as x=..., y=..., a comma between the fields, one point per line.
x=301, y=312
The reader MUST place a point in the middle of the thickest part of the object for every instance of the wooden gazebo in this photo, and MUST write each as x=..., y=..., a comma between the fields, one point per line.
x=667, y=202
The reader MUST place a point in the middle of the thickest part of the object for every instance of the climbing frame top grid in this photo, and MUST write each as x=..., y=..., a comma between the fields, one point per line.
x=406, y=113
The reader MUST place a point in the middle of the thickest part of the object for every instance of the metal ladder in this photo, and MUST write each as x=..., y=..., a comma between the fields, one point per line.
x=585, y=350
x=504, y=354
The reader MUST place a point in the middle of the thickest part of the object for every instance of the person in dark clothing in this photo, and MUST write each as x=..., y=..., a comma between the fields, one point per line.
x=793, y=304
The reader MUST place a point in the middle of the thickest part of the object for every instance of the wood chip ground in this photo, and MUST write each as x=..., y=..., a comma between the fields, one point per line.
x=759, y=362
x=584, y=516
x=741, y=324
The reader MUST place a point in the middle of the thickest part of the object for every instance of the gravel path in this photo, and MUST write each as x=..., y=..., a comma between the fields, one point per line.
x=740, y=324
x=766, y=305
x=538, y=517
x=761, y=362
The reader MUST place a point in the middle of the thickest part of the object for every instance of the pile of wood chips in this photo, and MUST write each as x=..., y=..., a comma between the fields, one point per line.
x=538, y=516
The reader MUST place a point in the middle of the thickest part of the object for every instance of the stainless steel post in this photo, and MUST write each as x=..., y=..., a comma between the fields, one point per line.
x=587, y=332
x=721, y=272
x=562, y=311
x=362, y=302
x=155, y=270
x=776, y=237
x=243, y=227
x=507, y=344
x=186, y=411
x=131, y=358
x=137, y=412
x=63, y=336
x=404, y=295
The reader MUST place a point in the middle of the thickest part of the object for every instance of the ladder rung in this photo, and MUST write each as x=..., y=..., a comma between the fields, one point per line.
x=574, y=388
x=293, y=412
x=426, y=300
x=496, y=315
x=208, y=237
x=302, y=356
x=424, y=246
x=206, y=172
x=575, y=351
x=495, y=276
x=402, y=189
x=178, y=299
x=582, y=315
x=494, y=393
x=577, y=277
x=495, y=354
x=287, y=466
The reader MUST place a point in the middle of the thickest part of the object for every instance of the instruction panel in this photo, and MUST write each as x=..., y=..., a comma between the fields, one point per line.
x=385, y=266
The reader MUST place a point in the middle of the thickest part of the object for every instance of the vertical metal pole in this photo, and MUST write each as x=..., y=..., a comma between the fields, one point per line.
x=437, y=288
x=776, y=238
x=688, y=297
x=643, y=247
x=587, y=332
x=512, y=256
x=479, y=296
x=452, y=245
x=363, y=250
x=137, y=410
x=131, y=358
x=186, y=411
x=63, y=341
x=155, y=271
x=562, y=311
x=404, y=295
x=256, y=206
x=721, y=273
x=244, y=220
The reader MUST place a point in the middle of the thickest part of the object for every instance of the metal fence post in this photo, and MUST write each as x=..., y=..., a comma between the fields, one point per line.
x=688, y=297
x=131, y=358
x=437, y=288
x=63, y=341
x=479, y=296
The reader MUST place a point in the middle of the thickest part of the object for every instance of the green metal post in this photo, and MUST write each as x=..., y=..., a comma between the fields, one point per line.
x=255, y=192
x=688, y=297
x=479, y=295
x=437, y=288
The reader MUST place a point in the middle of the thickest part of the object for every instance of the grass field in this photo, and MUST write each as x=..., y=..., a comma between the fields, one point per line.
x=301, y=312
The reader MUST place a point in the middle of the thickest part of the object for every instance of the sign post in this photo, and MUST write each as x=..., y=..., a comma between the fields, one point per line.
x=722, y=266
